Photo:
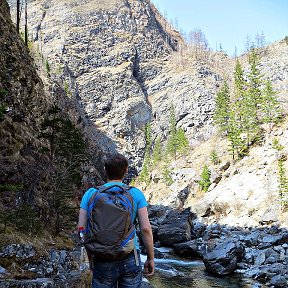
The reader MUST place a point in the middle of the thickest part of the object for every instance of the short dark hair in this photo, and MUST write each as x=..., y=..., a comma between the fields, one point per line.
x=116, y=166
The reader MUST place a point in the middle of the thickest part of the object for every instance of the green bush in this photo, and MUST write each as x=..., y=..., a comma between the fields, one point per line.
x=204, y=181
x=214, y=157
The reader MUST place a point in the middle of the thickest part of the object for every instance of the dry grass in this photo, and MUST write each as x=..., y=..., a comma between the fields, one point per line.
x=91, y=5
x=42, y=243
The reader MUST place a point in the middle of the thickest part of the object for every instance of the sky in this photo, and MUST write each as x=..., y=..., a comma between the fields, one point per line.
x=228, y=22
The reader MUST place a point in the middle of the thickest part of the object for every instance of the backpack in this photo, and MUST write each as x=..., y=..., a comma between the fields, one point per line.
x=110, y=230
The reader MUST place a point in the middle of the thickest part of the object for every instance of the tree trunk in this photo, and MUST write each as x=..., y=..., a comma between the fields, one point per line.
x=18, y=17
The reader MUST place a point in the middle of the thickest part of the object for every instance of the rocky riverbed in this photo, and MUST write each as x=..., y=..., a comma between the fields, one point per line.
x=259, y=253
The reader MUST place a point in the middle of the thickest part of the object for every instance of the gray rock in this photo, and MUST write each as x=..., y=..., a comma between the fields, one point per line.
x=187, y=249
x=175, y=228
x=223, y=259
x=279, y=281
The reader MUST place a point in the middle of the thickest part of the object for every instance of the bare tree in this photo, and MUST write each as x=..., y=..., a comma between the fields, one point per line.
x=18, y=16
x=198, y=42
x=26, y=26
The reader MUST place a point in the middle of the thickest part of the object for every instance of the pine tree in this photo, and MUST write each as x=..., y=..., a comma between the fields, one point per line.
x=157, y=151
x=182, y=143
x=67, y=152
x=221, y=114
x=214, y=157
x=233, y=135
x=283, y=184
x=144, y=174
x=167, y=173
x=177, y=140
x=204, y=181
x=269, y=106
x=255, y=80
x=239, y=82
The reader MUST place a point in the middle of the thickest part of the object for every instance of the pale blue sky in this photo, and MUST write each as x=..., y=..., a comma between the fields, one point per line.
x=229, y=21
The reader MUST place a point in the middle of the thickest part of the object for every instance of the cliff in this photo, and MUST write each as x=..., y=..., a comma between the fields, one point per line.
x=44, y=160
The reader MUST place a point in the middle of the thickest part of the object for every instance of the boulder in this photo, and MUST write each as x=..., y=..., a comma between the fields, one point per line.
x=279, y=281
x=223, y=259
x=175, y=228
x=187, y=249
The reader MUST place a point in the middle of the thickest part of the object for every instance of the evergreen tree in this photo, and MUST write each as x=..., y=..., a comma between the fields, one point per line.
x=239, y=82
x=255, y=81
x=157, y=152
x=204, y=181
x=270, y=108
x=167, y=173
x=144, y=174
x=233, y=135
x=214, y=157
x=182, y=143
x=177, y=140
x=67, y=152
x=221, y=114
x=283, y=184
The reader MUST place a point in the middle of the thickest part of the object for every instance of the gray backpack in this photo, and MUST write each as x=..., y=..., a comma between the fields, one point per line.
x=110, y=230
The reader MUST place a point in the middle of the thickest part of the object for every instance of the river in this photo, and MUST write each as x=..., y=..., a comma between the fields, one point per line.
x=175, y=272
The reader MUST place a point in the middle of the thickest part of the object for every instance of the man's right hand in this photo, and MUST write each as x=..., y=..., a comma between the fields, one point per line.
x=149, y=267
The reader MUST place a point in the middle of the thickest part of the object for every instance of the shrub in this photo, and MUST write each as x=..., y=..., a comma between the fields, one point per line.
x=204, y=181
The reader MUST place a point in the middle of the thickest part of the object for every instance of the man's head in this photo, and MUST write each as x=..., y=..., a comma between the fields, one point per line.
x=116, y=166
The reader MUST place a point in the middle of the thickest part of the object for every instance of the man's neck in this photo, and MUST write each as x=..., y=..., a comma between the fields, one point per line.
x=114, y=180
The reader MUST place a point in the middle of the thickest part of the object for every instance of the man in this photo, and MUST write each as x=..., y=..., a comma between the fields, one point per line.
x=125, y=273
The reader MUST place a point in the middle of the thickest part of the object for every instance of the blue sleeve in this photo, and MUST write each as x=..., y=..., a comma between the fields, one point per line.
x=140, y=199
x=85, y=199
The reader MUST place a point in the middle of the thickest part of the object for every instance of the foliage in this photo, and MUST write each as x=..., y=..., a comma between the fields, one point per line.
x=67, y=90
x=286, y=39
x=283, y=184
x=10, y=187
x=234, y=132
x=276, y=145
x=270, y=108
x=177, y=140
x=157, y=152
x=182, y=142
x=67, y=151
x=144, y=174
x=167, y=174
x=26, y=220
x=214, y=157
x=253, y=103
x=221, y=114
x=204, y=181
x=47, y=66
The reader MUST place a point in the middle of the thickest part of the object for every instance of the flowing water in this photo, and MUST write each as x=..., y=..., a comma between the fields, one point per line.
x=177, y=272
x=173, y=272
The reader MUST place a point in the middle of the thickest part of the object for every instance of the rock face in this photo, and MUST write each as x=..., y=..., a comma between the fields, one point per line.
x=28, y=162
x=22, y=102
x=105, y=53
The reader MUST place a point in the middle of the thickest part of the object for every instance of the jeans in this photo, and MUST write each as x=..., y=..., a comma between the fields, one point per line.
x=124, y=273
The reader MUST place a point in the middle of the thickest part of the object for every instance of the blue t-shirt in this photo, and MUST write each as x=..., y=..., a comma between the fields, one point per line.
x=139, y=200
